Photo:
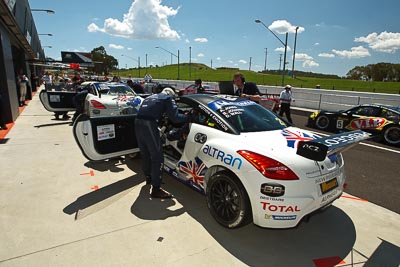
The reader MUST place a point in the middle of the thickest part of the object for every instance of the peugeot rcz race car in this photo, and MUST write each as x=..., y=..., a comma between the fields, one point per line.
x=250, y=165
x=382, y=121
x=101, y=99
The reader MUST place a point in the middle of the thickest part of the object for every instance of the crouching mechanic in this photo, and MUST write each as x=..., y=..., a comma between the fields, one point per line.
x=150, y=113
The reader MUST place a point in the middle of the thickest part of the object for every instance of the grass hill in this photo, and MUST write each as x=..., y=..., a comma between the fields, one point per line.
x=195, y=71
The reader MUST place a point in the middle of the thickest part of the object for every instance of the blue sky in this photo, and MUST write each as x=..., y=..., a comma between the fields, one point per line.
x=333, y=36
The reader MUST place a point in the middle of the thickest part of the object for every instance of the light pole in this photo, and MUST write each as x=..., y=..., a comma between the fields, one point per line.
x=172, y=54
x=49, y=11
x=137, y=60
x=283, y=43
x=294, y=50
x=48, y=34
x=48, y=46
x=265, y=64
x=250, y=64
x=190, y=62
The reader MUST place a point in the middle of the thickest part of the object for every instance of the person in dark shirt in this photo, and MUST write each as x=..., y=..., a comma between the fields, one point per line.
x=245, y=89
x=199, y=86
x=137, y=87
x=3, y=125
x=150, y=113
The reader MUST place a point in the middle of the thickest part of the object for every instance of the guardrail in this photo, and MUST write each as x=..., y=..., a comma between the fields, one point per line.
x=317, y=98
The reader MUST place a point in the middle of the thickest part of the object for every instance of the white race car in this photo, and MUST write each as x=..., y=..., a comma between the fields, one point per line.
x=109, y=99
x=100, y=99
x=250, y=165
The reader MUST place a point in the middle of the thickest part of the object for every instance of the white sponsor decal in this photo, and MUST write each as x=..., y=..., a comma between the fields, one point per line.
x=105, y=132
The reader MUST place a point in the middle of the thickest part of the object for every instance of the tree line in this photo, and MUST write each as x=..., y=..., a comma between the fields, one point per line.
x=376, y=72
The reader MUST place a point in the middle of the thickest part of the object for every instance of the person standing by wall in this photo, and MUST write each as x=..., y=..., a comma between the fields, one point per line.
x=3, y=125
x=34, y=81
x=48, y=81
x=199, y=86
x=22, y=84
x=285, y=99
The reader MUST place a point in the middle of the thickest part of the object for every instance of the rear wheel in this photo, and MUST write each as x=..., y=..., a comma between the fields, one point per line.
x=391, y=135
x=322, y=122
x=228, y=201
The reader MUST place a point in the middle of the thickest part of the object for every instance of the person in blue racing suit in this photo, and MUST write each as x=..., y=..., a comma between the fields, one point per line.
x=150, y=113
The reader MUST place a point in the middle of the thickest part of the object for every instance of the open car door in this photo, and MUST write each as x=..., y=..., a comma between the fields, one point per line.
x=101, y=138
x=57, y=101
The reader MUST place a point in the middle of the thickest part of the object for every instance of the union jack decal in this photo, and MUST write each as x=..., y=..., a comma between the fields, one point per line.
x=294, y=137
x=194, y=170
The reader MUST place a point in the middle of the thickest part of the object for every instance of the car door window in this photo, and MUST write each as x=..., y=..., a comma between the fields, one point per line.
x=368, y=111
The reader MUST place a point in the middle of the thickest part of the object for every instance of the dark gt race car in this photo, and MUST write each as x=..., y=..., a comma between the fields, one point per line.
x=382, y=121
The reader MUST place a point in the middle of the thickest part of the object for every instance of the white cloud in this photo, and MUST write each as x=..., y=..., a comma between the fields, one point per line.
x=310, y=64
x=356, y=52
x=282, y=49
x=388, y=42
x=187, y=41
x=200, y=55
x=218, y=58
x=129, y=48
x=201, y=40
x=230, y=61
x=146, y=19
x=283, y=26
x=316, y=44
x=326, y=55
x=114, y=46
x=308, y=61
x=242, y=61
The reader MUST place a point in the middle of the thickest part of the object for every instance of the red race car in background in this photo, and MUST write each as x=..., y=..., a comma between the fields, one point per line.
x=192, y=89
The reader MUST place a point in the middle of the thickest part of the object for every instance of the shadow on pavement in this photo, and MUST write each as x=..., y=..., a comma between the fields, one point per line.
x=107, y=165
x=327, y=234
x=51, y=124
x=101, y=198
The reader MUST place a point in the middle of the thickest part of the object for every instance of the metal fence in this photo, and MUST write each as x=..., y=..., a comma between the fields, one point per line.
x=316, y=98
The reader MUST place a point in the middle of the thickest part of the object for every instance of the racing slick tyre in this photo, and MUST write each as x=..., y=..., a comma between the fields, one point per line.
x=228, y=201
x=322, y=122
x=391, y=135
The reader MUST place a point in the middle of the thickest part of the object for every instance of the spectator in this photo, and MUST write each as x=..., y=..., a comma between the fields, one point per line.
x=148, y=78
x=285, y=99
x=48, y=81
x=3, y=125
x=22, y=84
x=76, y=80
x=116, y=79
x=199, y=86
x=34, y=81
x=150, y=113
x=245, y=89
x=137, y=87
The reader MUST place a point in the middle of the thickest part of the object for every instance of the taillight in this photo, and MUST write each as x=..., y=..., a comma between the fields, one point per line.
x=268, y=167
x=97, y=104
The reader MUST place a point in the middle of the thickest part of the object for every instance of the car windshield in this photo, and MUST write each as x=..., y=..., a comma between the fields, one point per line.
x=248, y=116
x=116, y=89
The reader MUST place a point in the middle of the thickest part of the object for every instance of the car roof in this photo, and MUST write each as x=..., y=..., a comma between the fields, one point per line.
x=395, y=109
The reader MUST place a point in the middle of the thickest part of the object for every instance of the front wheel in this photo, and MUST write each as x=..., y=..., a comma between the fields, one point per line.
x=391, y=135
x=228, y=201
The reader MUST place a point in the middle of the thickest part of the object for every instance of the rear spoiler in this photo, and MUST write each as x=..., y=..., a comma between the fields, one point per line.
x=318, y=149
